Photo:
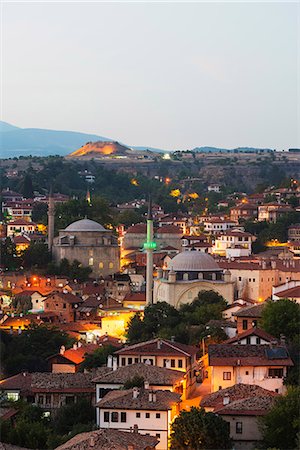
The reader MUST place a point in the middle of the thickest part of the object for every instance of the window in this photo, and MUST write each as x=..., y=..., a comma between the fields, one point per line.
x=13, y=396
x=106, y=416
x=64, y=305
x=226, y=375
x=245, y=324
x=247, y=372
x=147, y=415
x=248, y=340
x=91, y=261
x=275, y=373
x=157, y=415
x=172, y=362
x=41, y=400
x=136, y=360
x=258, y=340
x=240, y=278
x=123, y=417
x=103, y=392
x=111, y=265
x=138, y=415
x=180, y=363
x=158, y=435
x=123, y=361
x=115, y=417
x=48, y=399
x=101, y=265
x=129, y=360
x=70, y=400
x=239, y=427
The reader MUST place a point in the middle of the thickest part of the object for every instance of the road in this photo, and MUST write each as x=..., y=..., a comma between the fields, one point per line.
x=200, y=391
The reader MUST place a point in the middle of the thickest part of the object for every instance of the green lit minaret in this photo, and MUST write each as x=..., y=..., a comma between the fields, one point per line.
x=149, y=246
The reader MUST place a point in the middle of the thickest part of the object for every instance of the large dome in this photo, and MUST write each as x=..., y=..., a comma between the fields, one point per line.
x=85, y=225
x=193, y=261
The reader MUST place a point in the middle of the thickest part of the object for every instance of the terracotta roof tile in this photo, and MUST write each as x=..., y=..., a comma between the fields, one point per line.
x=253, y=406
x=109, y=439
x=158, y=347
x=124, y=399
x=252, y=332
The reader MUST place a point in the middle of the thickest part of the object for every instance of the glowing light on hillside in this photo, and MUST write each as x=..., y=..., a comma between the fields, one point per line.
x=194, y=195
x=167, y=156
x=168, y=180
x=134, y=182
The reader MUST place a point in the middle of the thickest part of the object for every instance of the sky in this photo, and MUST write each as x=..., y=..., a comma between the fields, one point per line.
x=167, y=75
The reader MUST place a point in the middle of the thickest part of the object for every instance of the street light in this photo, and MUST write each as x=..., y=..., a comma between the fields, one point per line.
x=203, y=344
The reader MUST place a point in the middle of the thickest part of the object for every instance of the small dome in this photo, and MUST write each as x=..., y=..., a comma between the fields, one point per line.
x=85, y=225
x=193, y=261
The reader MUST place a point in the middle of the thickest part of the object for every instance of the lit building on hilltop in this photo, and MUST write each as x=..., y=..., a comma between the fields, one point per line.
x=91, y=244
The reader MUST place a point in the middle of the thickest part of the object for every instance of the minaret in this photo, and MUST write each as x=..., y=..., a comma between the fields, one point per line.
x=149, y=246
x=50, y=220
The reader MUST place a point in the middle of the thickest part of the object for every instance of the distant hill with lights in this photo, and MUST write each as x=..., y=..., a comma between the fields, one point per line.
x=101, y=149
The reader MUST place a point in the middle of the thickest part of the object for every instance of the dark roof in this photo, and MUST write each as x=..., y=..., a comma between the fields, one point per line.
x=135, y=296
x=289, y=293
x=251, y=355
x=237, y=392
x=123, y=399
x=158, y=347
x=252, y=332
x=251, y=311
x=139, y=228
x=253, y=406
x=109, y=439
x=66, y=297
x=169, y=229
x=155, y=375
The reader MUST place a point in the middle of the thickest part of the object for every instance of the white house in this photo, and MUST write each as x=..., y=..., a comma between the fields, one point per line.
x=20, y=226
x=156, y=378
x=263, y=365
x=214, y=225
x=233, y=243
x=147, y=411
x=290, y=290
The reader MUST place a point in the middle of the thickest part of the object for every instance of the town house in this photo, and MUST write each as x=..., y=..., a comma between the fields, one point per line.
x=63, y=304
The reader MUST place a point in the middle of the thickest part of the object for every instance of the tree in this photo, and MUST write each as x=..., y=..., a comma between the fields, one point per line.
x=30, y=350
x=281, y=425
x=36, y=255
x=8, y=255
x=67, y=416
x=22, y=303
x=98, y=357
x=136, y=381
x=281, y=317
x=206, y=306
x=26, y=187
x=135, y=329
x=39, y=213
x=197, y=430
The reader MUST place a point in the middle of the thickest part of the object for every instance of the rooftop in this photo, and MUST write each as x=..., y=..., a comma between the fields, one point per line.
x=253, y=406
x=109, y=439
x=193, y=261
x=155, y=375
x=123, y=399
x=248, y=355
x=237, y=392
x=85, y=225
x=158, y=347
x=252, y=332
x=250, y=311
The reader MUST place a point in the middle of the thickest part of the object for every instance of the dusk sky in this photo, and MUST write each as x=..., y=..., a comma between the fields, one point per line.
x=166, y=75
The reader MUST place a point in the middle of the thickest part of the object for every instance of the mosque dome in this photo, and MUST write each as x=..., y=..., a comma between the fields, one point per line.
x=193, y=261
x=85, y=225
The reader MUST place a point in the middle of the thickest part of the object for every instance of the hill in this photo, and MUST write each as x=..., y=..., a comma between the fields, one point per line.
x=100, y=149
x=232, y=150
x=41, y=142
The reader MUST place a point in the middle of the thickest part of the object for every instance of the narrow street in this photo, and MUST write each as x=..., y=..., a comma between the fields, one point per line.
x=200, y=391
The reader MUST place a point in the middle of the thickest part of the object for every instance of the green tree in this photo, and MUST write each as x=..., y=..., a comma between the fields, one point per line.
x=281, y=425
x=30, y=350
x=281, y=317
x=67, y=416
x=36, y=255
x=8, y=255
x=198, y=430
x=206, y=306
x=22, y=303
x=26, y=187
x=136, y=381
x=98, y=358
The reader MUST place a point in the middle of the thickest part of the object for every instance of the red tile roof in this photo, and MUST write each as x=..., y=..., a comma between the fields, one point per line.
x=169, y=229
x=252, y=332
x=253, y=406
x=289, y=293
x=123, y=399
x=139, y=228
x=135, y=297
x=248, y=355
x=158, y=347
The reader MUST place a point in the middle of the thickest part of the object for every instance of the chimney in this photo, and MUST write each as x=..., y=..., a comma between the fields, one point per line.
x=79, y=344
x=150, y=396
x=115, y=363
x=158, y=344
x=109, y=361
x=92, y=441
x=154, y=396
x=135, y=428
x=226, y=399
x=74, y=346
x=282, y=339
x=146, y=385
x=62, y=349
x=172, y=338
x=135, y=392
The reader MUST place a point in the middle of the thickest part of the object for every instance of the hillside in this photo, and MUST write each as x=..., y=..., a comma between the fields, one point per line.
x=16, y=141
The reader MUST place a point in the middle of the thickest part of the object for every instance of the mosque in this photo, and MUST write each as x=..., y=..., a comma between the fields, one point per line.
x=91, y=244
x=188, y=273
